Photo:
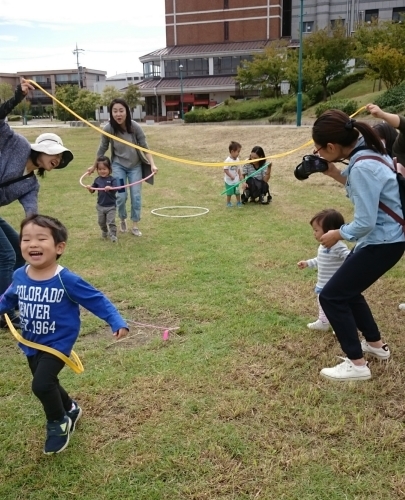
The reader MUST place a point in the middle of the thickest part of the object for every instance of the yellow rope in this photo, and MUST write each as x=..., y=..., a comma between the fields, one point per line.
x=167, y=157
x=73, y=362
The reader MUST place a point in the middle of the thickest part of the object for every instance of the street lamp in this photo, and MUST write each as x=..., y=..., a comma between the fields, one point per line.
x=181, y=91
x=299, y=93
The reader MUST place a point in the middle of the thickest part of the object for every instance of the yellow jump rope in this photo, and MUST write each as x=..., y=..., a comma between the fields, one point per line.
x=73, y=361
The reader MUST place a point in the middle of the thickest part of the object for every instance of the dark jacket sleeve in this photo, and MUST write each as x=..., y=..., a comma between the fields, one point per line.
x=398, y=148
x=9, y=105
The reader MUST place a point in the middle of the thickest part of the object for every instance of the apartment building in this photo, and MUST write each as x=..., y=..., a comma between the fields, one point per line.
x=49, y=80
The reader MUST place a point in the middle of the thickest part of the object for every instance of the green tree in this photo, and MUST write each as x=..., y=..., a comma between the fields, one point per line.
x=67, y=94
x=109, y=93
x=132, y=96
x=49, y=110
x=23, y=109
x=332, y=48
x=86, y=103
x=6, y=92
x=266, y=71
x=387, y=63
x=368, y=36
x=312, y=71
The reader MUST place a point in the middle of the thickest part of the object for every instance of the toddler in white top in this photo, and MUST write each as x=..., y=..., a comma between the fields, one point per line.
x=232, y=175
x=328, y=260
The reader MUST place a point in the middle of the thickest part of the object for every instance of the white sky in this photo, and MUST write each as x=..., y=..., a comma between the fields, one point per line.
x=42, y=35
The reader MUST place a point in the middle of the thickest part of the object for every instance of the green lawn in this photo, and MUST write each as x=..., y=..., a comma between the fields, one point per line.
x=232, y=406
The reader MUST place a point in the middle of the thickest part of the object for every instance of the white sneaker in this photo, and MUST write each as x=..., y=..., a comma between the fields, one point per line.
x=123, y=226
x=378, y=352
x=318, y=325
x=346, y=371
x=401, y=307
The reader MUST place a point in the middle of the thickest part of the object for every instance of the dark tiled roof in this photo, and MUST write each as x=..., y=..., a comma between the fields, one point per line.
x=213, y=48
x=188, y=83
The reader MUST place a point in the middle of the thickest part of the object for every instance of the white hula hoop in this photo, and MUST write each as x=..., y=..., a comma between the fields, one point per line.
x=156, y=210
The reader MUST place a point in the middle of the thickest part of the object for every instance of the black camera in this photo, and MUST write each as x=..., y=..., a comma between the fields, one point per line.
x=310, y=165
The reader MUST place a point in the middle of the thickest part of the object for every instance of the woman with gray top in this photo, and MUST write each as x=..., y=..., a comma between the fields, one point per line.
x=18, y=162
x=128, y=164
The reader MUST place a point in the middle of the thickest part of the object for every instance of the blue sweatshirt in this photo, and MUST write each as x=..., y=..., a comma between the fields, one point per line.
x=49, y=309
x=368, y=182
x=14, y=153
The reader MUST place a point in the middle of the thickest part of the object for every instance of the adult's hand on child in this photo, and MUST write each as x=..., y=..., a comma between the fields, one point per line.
x=90, y=170
x=302, y=264
x=330, y=238
x=121, y=333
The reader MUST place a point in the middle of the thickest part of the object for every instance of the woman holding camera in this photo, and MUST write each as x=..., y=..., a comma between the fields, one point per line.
x=380, y=241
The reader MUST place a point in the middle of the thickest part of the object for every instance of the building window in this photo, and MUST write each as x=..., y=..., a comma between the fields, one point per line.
x=308, y=26
x=191, y=67
x=398, y=15
x=371, y=16
x=226, y=30
x=226, y=4
x=229, y=65
x=151, y=69
x=334, y=23
x=287, y=12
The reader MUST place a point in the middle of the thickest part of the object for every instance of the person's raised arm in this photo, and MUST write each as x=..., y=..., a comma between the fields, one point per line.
x=377, y=112
x=20, y=92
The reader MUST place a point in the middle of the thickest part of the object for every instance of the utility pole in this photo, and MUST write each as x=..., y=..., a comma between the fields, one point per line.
x=79, y=73
x=299, y=93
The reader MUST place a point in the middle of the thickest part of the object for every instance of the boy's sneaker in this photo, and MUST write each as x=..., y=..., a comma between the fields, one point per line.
x=229, y=204
x=123, y=226
x=346, y=371
x=239, y=204
x=74, y=416
x=318, y=325
x=104, y=235
x=15, y=320
x=378, y=352
x=114, y=239
x=57, y=435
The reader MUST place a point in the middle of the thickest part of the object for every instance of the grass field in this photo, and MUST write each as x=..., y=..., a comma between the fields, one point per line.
x=232, y=406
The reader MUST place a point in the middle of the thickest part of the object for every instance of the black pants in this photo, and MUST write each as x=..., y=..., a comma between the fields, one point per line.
x=341, y=299
x=45, y=369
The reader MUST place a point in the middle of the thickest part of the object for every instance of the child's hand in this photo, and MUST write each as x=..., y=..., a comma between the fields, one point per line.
x=302, y=264
x=121, y=333
x=89, y=188
x=107, y=188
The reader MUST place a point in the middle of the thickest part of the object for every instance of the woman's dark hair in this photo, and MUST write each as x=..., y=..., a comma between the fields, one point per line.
x=260, y=153
x=58, y=230
x=328, y=219
x=388, y=133
x=337, y=127
x=106, y=161
x=127, y=124
x=34, y=157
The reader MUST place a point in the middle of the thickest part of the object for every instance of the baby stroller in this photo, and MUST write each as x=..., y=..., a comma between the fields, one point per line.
x=258, y=191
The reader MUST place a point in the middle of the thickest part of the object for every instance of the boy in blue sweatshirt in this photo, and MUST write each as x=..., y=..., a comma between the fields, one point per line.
x=48, y=296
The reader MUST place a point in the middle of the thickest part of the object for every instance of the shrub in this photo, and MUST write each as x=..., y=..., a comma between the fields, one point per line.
x=345, y=105
x=278, y=118
x=290, y=106
x=342, y=82
x=392, y=97
x=315, y=94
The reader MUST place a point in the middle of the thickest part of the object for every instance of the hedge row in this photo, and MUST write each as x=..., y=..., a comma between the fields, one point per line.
x=345, y=105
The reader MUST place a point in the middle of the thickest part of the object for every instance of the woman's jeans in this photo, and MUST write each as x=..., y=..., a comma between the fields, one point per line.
x=126, y=175
x=10, y=256
x=342, y=299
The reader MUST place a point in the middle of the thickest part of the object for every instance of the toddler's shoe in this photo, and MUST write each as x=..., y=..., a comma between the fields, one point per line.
x=104, y=235
x=378, y=352
x=401, y=307
x=135, y=231
x=57, y=435
x=239, y=204
x=113, y=238
x=229, y=205
x=123, y=226
x=318, y=325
